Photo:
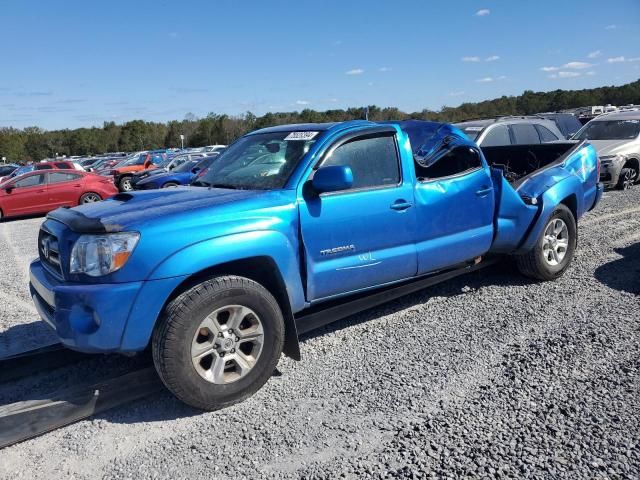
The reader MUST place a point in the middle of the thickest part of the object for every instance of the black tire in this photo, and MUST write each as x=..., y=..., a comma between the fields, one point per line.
x=175, y=331
x=533, y=264
x=628, y=176
x=89, y=198
x=170, y=185
x=124, y=184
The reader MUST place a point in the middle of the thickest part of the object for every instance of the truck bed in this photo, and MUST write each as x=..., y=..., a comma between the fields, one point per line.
x=518, y=162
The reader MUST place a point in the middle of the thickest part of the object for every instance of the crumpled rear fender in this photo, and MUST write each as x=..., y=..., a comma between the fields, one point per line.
x=568, y=191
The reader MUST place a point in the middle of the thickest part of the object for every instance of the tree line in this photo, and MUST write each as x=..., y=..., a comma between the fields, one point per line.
x=34, y=143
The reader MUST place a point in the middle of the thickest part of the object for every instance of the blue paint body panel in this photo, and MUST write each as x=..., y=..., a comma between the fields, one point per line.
x=323, y=246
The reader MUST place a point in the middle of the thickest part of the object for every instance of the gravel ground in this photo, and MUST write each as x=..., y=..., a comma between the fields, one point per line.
x=486, y=375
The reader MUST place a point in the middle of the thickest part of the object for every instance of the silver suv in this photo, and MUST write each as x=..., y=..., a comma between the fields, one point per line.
x=616, y=137
x=511, y=131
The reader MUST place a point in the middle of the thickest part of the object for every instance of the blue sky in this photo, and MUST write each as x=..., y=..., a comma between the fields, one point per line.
x=67, y=64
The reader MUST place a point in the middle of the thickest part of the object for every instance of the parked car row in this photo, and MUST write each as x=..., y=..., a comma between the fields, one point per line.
x=615, y=136
x=41, y=191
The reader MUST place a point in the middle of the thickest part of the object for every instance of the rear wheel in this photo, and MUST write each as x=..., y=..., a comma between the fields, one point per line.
x=219, y=342
x=125, y=184
x=90, y=197
x=170, y=185
x=554, y=249
x=628, y=176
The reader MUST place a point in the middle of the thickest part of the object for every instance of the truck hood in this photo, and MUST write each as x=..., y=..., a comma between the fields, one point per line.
x=612, y=147
x=136, y=210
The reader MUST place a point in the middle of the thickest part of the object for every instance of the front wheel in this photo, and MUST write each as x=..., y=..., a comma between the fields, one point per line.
x=125, y=184
x=170, y=185
x=219, y=342
x=89, y=197
x=627, y=178
x=554, y=249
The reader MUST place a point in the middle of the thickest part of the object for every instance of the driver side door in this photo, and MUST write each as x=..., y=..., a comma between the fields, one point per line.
x=361, y=237
x=27, y=195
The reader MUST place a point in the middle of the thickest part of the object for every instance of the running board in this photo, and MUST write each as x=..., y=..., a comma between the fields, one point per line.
x=317, y=317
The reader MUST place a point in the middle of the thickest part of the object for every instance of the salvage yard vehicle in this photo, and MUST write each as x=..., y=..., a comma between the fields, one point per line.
x=511, y=131
x=182, y=175
x=55, y=165
x=165, y=166
x=123, y=172
x=220, y=281
x=616, y=137
x=43, y=191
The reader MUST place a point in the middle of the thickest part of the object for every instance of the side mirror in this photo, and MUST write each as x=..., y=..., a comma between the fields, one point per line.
x=332, y=178
x=8, y=189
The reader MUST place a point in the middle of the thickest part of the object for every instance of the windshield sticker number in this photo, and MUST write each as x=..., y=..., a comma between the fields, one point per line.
x=301, y=135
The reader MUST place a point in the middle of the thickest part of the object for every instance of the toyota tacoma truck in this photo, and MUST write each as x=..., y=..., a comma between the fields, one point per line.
x=329, y=220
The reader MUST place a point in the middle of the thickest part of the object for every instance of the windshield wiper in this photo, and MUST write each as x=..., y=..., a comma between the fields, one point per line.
x=200, y=182
x=226, y=185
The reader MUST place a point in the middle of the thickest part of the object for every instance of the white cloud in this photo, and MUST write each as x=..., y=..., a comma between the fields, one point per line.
x=354, y=71
x=384, y=69
x=565, y=75
x=577, y=65
x=591, y=73
x=470, y=59
x=483, y=12
x=502, y=77
x=456, y=94
x=611, y=27
x=595, y=54
x=485, y=80
x=302, y=102
x=620, y=59
x=634, y=59
x=492, y=58
x=550, y=69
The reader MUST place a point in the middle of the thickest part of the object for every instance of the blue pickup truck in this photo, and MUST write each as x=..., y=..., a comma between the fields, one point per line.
x=300, y=225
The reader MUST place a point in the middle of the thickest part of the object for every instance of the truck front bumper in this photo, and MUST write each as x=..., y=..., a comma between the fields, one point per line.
x=95, y=318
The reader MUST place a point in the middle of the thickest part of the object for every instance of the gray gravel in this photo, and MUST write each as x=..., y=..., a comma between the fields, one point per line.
x=486, y=375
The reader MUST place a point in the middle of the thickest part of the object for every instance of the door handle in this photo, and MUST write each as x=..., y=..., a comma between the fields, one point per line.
x=41, y=191
x=484, y=191
x=400, y=205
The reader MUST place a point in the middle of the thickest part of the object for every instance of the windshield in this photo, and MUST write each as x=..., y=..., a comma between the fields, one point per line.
x=609, y=130
x=186, y=166
x=135, y=159
x=259, y=162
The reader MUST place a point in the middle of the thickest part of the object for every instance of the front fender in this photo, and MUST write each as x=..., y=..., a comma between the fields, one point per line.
x=568, y=189
x=263, y=243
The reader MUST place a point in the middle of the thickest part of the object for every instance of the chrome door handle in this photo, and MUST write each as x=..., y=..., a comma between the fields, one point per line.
x=484, y=191
x=400, y=205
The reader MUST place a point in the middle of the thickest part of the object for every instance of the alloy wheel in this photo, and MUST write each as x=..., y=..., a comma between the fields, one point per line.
x=227, y=344
x=555, y=242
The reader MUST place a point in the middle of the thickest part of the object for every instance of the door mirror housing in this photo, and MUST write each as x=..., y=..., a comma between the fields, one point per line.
x=332, y=178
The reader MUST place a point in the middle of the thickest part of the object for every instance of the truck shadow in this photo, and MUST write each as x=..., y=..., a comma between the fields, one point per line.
x=624, y=273
x=501, y=274
x=162, y=406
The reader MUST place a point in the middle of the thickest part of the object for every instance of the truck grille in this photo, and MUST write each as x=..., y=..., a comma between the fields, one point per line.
x=49, y=251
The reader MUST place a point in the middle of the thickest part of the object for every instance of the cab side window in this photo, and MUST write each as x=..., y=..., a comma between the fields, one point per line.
x=373, y=161
x=457, y=161
x=59, y=177
x=30, y=181
x=525, y=134
x=497, y=136
x=546, y=135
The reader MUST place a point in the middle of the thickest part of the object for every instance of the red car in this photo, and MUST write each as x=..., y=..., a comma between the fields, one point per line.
x=43, y=191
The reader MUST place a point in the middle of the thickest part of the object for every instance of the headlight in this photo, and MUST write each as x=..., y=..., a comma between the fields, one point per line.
x=610, y=158
x=98, y=255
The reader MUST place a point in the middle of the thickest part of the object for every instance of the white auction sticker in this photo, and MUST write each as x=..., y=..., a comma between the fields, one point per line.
x=301, y=135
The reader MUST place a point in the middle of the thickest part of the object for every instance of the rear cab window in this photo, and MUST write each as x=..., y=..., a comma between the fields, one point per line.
x=498, y=135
